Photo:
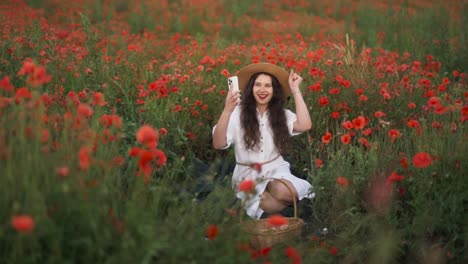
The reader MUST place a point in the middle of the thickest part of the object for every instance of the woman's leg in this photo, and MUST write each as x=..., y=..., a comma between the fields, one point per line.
x=282, y=193
x=269, y=204
x=277, y=196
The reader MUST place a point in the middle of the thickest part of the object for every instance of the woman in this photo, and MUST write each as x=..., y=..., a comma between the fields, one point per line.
x=260, y=128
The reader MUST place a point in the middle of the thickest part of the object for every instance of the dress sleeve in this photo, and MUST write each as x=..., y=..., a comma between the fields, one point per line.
x=291, y=118
x=231, y=129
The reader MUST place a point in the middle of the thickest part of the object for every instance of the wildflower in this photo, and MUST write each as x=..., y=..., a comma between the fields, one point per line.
x=359, y=122
x=85, y=110
x=246, y=186
x=318, y=163
x=163, y=131
x=22, y=93
x=134, y=151
x=177, y=108
x=364, y=142
x=422, y=160
x=323, y=101
x=404, y=162
x=62, y=172
x=6, y=85
x=394, y=177
x=394, y=134
x=111, y=120
x=379, y=114
x=333, y=250
x=327, y=138
x=84, y=158
x=348, y=125
x=98, y=99
x=211, y=231
x=367, y=132
x=148, y=136
x=225, y=73
x=277, y=220
x=342, y=181
x=160, y=157
x=335, y=115
x=23, y=223
x=334, y=91
x=346, y=139
x=316, y=87
x=293, y=255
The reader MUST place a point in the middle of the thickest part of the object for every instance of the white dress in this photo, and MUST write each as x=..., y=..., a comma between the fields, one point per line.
x=276, y=169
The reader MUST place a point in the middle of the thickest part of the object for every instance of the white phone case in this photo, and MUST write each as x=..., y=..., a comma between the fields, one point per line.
x=234, y=81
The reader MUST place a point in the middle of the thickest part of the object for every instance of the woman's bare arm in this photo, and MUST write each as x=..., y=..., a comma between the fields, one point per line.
x=303, y=122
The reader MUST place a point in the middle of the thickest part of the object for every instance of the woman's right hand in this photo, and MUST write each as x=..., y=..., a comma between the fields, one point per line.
x=232, y=100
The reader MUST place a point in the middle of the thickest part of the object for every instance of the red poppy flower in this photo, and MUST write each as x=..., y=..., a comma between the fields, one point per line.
x=404, y=162
x=160, y=157
x=327, y=138
x=342, y=181
x=335, y=115
x=379, y=114
x=346, y=139
x=318, y=163
x=394, y=177
x=348, y=125
x=62, y=172
x=163, y=131
x=211, y=231
x=333, y=250
x=23, y=223
x=394, y=134
x=246, y=186
x=293, y=255
x=364, y=142
x=422, y=160
x=359, y=122
x=148, y=136
x=323, y=101
x=277, y=220
x=85, y=110
x=84, y=158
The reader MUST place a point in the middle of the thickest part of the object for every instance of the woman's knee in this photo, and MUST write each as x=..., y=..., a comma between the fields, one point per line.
x=279, y=190
x=269, y=204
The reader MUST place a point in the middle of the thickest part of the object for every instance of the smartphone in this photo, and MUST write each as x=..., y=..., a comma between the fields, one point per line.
x=234, y=82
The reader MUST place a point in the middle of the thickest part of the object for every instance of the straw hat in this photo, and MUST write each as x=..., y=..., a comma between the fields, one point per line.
x=281, y=74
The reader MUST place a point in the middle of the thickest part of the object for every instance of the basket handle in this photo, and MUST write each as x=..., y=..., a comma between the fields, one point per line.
x=290, y=191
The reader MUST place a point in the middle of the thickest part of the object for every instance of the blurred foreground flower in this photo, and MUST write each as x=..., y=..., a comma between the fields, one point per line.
x=277, y=220
x=148, y=136
x=246, y=186
x=342, y=181
x=211, y=232
x=23, y=223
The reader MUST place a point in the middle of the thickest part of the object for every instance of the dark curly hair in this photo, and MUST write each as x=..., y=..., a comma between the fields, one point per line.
x=277, y=116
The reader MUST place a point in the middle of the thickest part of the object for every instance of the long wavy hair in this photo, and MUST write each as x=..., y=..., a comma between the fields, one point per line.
x=277, y=116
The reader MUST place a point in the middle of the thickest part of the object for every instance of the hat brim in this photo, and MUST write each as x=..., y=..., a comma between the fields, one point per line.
x=281, y=74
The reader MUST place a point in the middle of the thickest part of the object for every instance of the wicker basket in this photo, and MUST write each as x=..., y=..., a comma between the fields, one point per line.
x=262, y=234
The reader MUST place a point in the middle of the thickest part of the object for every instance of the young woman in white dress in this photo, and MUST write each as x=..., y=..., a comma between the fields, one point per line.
x=259, y=128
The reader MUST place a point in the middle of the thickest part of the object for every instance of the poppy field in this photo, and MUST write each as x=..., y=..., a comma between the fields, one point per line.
x=107, y=109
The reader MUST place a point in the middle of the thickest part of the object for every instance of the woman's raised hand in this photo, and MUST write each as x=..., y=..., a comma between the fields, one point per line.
x=294, y=82
x=232, y=99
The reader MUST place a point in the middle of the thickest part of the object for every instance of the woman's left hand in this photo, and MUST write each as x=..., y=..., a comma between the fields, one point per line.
x=294, y=82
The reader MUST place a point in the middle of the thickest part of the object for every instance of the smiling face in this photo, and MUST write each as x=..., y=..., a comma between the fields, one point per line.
x=263, y=90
